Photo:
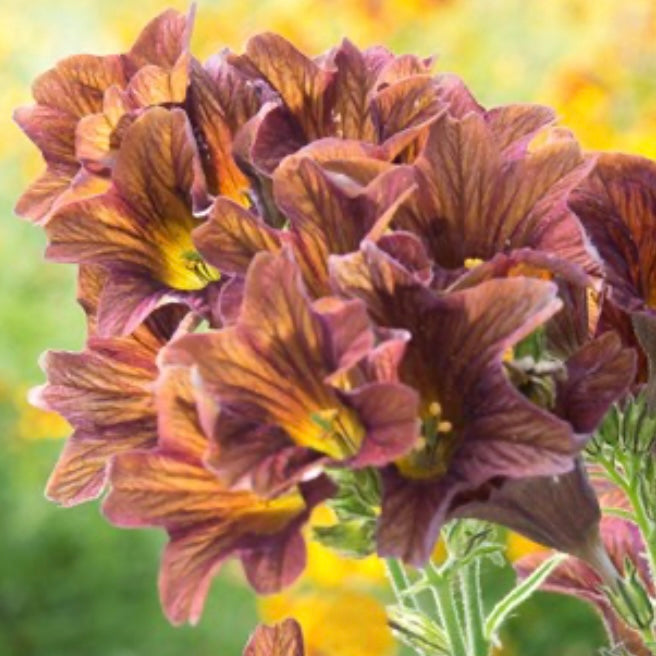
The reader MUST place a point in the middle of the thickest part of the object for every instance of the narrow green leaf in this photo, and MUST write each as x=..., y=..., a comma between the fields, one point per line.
x=518, y=595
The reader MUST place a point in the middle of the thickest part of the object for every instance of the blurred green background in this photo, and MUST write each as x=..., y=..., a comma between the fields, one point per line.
x=72, y=585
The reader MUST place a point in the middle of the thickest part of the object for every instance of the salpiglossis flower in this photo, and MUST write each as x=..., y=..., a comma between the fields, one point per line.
x=171, y=487
x=80, y=104
x=492, y=187
x=476, y=426
x=140, y=229
x=616, y=204
x=306, y=368
x=369, y=96
x=623, y=543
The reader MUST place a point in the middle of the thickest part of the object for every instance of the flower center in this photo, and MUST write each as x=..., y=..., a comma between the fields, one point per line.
x=431, y=457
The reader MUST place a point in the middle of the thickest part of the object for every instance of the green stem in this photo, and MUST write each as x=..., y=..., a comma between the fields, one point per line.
x=400, y=583
x=470, y=587
x=646, y=526
x=447, y=610
x=628, y=482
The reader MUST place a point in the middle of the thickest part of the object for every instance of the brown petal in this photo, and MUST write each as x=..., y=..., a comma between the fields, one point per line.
x=299, y=81
x=284, y=639
x=232, y=236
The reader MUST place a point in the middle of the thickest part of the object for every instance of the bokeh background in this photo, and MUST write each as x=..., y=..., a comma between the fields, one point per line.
x=71, y=585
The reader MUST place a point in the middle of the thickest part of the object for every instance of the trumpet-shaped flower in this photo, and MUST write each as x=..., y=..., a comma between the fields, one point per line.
x=106, y=394
x=476, y=425
x=304, y=368
x=80, y=103
x=140, y=230
x=496, y=184
x=369, y=96
x=170, y=487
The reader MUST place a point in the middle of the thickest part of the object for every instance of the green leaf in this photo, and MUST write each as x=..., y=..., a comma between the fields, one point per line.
x=353, y=539
x=518, y=595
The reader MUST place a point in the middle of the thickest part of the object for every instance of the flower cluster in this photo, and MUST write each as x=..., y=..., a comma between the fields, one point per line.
x=296, y=266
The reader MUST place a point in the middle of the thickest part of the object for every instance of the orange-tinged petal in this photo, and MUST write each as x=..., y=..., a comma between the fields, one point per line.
x=616, y=205
x=354, y=80
x=81, y=470
x=106, y=393
x=232, y=236
x=206, y=523
x=300, y=82
x=36, y=202
x=163, y=40
x=76, y=85
x=331, y=213
x=411, y=102
x=154, y=85
x=477, y=200
x=211, y=119
x=284, y=639
x=143, y=224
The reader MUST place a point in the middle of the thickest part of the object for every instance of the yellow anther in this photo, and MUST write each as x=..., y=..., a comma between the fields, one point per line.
x=472, y=262
x=444, y=427
x=435, y=409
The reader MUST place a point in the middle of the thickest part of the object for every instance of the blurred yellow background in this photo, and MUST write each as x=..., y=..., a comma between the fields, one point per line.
x=69, y=584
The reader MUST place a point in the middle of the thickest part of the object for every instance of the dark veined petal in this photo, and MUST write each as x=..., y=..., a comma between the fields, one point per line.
x=232, y=236
x=476, y=201
x=170, y=487
x=561, y=511
x=480, y=427
x=141, y=228
x=206, y=522
x=106, y=394
x=162, y=41
x=597, y=375
x=278, y=359
x=300, y=82
x=210, y=114
x=355, y=76
x=331, y=213
x=245, y=452
x=284, y=639
x=617, y=206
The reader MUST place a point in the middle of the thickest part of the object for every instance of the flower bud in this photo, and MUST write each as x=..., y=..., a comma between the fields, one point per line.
x=417, y=631
x=630, y=599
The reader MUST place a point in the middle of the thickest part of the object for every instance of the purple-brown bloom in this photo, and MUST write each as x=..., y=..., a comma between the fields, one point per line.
x=140, y=230
x=170, y=487
x=623, y=542
x=616, y=204
x=327, y=213
x=106, y=394
x=496, y=183
x=81, y=102
x=369, y=96
x=305, y=368
x=283, y=639
x=476, y=425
